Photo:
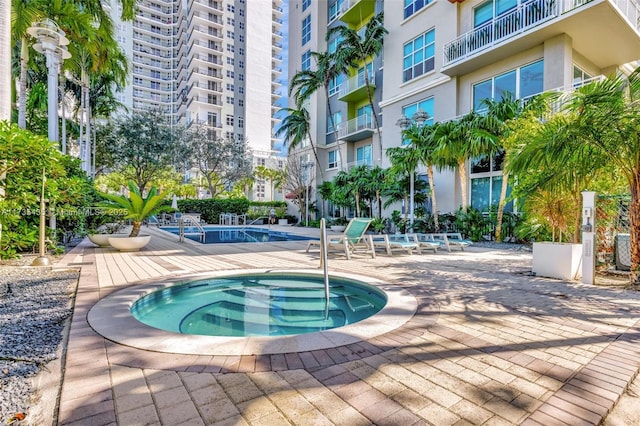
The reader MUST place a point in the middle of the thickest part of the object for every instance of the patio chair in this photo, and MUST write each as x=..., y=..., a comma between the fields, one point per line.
x=351, y=241
x=427, y=242
x=395, y=242
x=450, y=240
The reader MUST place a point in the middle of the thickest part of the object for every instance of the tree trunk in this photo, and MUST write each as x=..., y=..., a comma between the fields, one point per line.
x=433, y=197
x=373, y=111
x=462, y=171
x=634, y=219
x=503, y=196
x=379, y=203
x=22, y=100
x=357, y=204
x=136, y=229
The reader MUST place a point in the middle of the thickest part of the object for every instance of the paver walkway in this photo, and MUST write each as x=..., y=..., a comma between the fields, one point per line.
x=488, y=345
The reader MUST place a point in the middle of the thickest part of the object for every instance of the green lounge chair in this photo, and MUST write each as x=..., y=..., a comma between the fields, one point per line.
x=351, y=241
x=395, y=242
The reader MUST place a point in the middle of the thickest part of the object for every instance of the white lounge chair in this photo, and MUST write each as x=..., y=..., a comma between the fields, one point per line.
x=427, y=242
x=395, y=242
x=352, y=240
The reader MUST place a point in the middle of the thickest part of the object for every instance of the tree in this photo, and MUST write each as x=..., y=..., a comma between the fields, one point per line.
x=221, y=161
x=137, y=207
x=5, y=61
x=356, y=48
x=375, y=185
x=297, y=183
x=142, y=146
x=421, y=139
x=295, y=128
x=306, y=82
x=354, y=183
x=404, y=161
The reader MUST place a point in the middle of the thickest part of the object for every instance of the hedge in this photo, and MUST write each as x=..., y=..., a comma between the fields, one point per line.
x=210, y=209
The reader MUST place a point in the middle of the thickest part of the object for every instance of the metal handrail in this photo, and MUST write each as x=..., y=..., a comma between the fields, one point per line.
x=192, y=221
x=323, y=264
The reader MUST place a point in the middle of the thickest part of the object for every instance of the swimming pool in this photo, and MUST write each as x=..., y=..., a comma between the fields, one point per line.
x=272, y=304
x=236, y=234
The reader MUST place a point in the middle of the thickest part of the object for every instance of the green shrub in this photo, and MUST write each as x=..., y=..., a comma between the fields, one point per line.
x=210, y=209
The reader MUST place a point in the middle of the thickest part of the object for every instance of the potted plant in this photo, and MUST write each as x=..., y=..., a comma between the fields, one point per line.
x=100, y=235
x=137, y=208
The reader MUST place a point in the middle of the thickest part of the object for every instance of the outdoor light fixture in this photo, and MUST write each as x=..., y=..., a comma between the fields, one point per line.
x=51, y=42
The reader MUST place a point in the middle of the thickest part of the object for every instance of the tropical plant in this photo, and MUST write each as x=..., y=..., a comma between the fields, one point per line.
x=357, y=48
x=295, y=128
x=404, y=161
x=137, y=208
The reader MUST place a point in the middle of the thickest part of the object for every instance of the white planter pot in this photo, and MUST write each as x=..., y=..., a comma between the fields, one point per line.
x=557, y=260
x=129, y=243
x=101, y=240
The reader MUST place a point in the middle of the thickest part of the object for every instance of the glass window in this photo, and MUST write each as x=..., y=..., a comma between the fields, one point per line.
x=520, y=83
x=361, y=74
x=364, y=117
x=480, y=192
x=412, y=6
x=337, y=119
x=332, y=159
x=363, y=155
x=334, y=84
x=334, y=9
x=305, y=4
x=332, y=46
x=481, y=164
x=482, y=14
x=579, y=76
x=419, y=55
x=306, y=61
x=306, y=30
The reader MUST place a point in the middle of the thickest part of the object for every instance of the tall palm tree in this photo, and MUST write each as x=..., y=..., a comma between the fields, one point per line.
x=376, y=177
x=306, y=82
x=295, y=128
x=356, y=49
x=5, y=59
x=404, y=161
x=422, y=140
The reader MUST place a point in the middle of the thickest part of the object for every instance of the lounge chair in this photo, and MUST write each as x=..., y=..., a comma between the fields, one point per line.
x=427, y=242
x=449, y=240
x=395, y=242
x=351, y=241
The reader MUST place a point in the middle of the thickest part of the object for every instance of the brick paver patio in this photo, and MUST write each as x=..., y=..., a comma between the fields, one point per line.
x=488, y=345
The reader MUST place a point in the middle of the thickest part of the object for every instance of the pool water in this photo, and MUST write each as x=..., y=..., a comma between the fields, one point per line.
x=258, y=305
x=226, y=234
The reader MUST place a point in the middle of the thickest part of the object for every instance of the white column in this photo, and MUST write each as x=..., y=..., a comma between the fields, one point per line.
x=588, y=237
x=53, y=62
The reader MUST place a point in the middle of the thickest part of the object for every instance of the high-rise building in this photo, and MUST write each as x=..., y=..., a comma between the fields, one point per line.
x=208, y=61
x=444, y=57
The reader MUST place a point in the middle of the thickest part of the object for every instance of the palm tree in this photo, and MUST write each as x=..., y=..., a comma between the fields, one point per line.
x=356, y=49
x=376, y=178
x=306, y=82
x=404, y=161
x=295, y=128
x=421, y=138
x=137, y=207
x=5, y=59
x=457, y=141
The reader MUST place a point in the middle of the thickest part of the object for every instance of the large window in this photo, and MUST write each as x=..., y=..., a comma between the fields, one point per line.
x=579, y=76
x=492, y=9
x=425, y=105
x=363, y=155
x=337, y=119
x=306, y=30
x=332, y=46
x=519, y=83
x=305, y=4
x=364, y=117
x=334, y=84
x=334, y=9
x=306, y=61
x=370, y=75
x=486, y=183
x=419, y=55
x=413, y=6
x=332, y=161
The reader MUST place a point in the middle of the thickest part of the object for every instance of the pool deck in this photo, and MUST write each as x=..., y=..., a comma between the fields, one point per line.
x=488, y=345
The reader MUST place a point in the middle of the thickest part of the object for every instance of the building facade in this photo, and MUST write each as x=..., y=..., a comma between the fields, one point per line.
x=207, y=61
x=444, y=57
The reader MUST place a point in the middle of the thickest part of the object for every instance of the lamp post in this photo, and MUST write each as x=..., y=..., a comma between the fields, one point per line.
x=52, y=43
x=307, y=166
x=404, y=122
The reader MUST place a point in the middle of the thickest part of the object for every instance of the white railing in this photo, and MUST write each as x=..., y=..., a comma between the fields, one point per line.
x=352, y=164
x=355, y=125
x=357, y=82
x=529, y=14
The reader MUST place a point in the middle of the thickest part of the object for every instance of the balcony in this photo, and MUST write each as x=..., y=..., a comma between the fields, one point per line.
x=606, y=31
x=354, y=11
x=355, y=88
x=354, y=164
x=356, y=129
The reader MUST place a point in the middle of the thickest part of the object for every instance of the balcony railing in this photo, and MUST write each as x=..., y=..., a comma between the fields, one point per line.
x=355, y=84
x=524, y=17
x=356, y=129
